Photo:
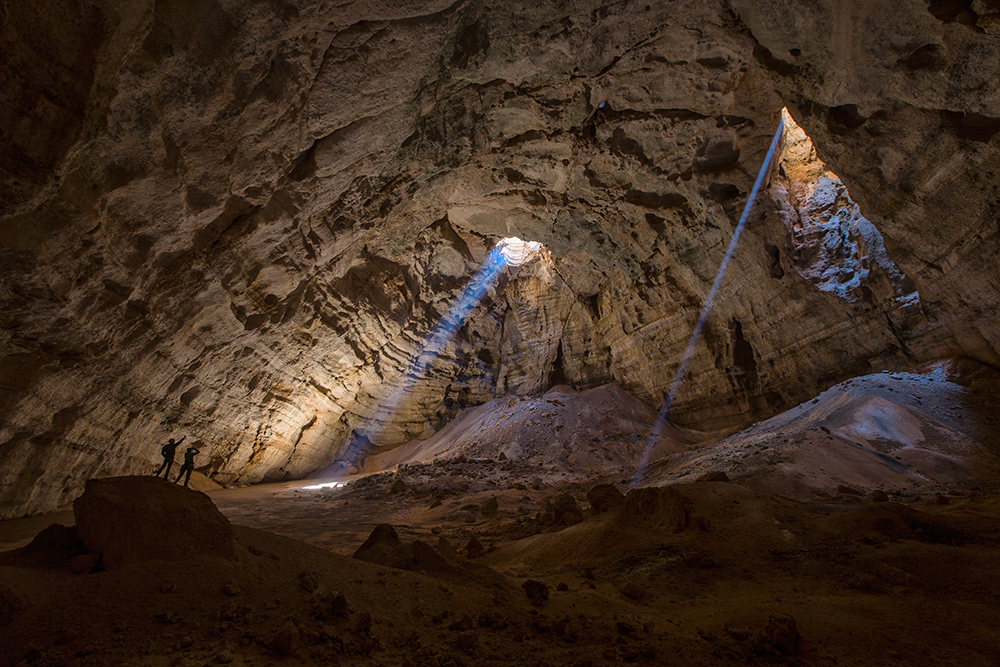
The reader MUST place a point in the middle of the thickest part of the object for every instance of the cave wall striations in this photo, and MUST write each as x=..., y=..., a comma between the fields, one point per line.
x=239, y=220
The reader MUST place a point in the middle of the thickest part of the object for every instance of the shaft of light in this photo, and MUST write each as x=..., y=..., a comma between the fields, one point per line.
x=438, y=338
x=661, y=419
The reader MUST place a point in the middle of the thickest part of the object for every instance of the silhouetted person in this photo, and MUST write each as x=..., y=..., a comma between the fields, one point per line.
x=168, y=456
x=188, y=465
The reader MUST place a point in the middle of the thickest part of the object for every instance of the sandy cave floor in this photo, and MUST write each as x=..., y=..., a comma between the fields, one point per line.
x=713, y=577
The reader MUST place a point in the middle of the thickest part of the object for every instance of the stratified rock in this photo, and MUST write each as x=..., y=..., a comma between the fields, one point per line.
x=131, y=519
x=604, y=497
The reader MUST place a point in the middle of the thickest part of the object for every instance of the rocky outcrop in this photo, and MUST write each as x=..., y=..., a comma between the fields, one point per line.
x=242, y=221
x=128, y=520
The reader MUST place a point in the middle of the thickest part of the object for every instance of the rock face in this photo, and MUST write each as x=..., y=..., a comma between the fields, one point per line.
x=132, y=519
x=242, y=220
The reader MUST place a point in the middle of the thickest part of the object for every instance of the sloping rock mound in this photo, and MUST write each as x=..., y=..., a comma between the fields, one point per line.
x=664, y=507
x=132, y=519
x=383, y=547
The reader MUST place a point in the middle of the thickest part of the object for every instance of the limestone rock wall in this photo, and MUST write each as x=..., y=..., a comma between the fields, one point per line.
x=244, y=219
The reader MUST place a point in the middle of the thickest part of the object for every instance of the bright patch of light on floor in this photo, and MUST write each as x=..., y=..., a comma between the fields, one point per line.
x=328, y=485
x=516, y=252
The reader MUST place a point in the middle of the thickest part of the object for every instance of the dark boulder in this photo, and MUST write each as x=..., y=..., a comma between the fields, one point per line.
x=604, y=497
x=566, y=512
x=132, y=519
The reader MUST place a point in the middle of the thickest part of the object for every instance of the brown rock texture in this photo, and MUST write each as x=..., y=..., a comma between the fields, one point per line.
x=240, y=221
x=128, y=520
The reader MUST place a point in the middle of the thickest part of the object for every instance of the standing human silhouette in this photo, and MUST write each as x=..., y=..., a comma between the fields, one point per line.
x=188, y=465
x=168, y=457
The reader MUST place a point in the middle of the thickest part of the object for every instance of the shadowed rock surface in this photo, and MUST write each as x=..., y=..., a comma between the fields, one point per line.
x=241, y=220
x=127, y=520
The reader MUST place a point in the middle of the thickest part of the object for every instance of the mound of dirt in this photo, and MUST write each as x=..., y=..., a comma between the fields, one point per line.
x=131, y=519
x=887, y=431
x=589, y=432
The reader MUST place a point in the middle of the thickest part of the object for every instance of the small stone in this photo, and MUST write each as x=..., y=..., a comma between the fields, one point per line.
x=474, y=549
x=437, y=503
x=562, y=586
x=338, y=605
x=467, y=641
x=397, y=487
x=490, y=507
x=633, y=590
x=436, y=530
x=879, y=496
x=364, y=623
x=782, y=633
x=308, y=581
x=536, y=591
x=288, y=638
x=224, y=657
x=714, y=476
x=231, y=588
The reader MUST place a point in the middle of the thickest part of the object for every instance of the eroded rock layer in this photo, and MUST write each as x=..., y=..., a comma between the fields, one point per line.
x=240, y=220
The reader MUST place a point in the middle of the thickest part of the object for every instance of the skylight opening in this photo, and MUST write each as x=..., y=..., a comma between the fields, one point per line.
x=516, y=252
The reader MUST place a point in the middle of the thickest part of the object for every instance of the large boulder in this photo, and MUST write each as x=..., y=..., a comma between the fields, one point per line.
x=604, y=497
x=132, y=519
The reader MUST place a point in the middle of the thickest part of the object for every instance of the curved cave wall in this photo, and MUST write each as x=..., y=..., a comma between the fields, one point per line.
x=240, y=221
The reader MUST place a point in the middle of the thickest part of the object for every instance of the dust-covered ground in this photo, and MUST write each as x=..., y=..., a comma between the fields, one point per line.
x=861, y=528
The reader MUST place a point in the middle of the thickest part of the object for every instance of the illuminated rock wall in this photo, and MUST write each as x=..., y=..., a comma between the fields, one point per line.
x=239, y=221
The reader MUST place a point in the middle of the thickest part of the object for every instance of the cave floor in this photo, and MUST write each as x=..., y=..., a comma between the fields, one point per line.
x=792, y=561
x=912, y=581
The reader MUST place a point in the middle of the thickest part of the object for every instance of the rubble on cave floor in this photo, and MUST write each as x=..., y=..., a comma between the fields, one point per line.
x=472, y=560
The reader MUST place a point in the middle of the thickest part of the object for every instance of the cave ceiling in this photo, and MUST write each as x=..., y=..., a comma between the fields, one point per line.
x=242, y=220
